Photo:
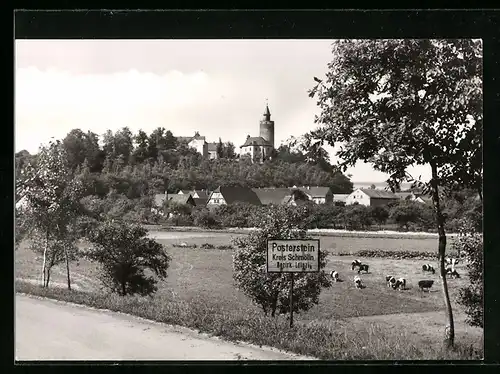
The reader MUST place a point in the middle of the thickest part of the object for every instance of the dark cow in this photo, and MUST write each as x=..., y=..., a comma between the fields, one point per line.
x=425, y=284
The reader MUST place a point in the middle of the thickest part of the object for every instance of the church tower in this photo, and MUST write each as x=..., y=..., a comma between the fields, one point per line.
x=267, y=127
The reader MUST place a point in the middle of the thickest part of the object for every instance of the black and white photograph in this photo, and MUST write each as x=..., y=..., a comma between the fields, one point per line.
x=248, y=199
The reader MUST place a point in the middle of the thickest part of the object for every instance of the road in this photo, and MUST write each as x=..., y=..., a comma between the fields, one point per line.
x=50, y=330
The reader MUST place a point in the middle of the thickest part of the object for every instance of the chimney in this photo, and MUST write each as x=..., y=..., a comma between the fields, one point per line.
x=248, y=136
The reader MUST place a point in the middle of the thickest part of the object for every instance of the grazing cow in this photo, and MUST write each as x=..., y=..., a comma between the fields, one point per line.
x=427, y=284
x=400, y=284
x=450, y=270
x=357, y=281
x=355, y=263
x=452, y=261
x=363, y=267
x=390, y=280
x=428, y=268
x=334, y=275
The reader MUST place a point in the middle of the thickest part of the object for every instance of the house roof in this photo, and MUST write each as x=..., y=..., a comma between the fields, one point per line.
x=378, y=194
x=184, y=192
x=202, y=194
x=238, y=194
x=159, y=199
x=315, y=191
x=403, y=195
x=200, y=201
x=256, y=140
x=271, y=195
x=180, y=199
x=187, y=139
x=340, y=196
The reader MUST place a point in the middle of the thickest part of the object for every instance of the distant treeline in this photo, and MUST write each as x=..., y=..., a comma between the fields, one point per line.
x=141, y=165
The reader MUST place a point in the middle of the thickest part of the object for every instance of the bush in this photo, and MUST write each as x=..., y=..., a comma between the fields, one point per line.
x=470, y=243
x=204, y=218
x=356, y=217
x=271, y=291
x=125, y=253
x=207, y=246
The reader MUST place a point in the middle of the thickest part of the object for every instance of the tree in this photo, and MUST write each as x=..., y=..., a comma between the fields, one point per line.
x=229, y=152
x=373, y=187
x=125, y=252
x=379, y=214
x=52, y=196
x=398, y=103
x=405, y=212
x=220, y=149
x=271, y=291
x=356, y=217
x=470, y=244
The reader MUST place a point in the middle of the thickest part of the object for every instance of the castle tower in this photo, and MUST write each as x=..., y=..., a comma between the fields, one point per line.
x=267, y=127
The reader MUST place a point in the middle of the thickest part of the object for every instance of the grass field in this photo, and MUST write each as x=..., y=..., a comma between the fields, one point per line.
x=206, y=274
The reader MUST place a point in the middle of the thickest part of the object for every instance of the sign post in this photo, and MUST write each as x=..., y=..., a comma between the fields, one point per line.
x=292, y=256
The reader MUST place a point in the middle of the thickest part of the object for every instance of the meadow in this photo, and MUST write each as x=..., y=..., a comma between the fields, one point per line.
x=204, y=276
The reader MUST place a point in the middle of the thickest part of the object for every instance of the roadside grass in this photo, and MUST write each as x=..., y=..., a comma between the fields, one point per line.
x=327, y=342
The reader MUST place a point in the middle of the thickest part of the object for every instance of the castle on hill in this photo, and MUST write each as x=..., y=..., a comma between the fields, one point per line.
x=258, y=148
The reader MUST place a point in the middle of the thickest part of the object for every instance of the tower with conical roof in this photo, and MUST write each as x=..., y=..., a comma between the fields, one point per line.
x=267, y=127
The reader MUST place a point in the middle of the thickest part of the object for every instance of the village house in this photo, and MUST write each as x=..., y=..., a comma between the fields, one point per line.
x=272, y=196
x=212, y=151
x=200, y=197
x=371, y=197
x=296, y=197
x=319, y=195
x=181, y=199
x=230, y=195
x=197, y=142
x=340, y=197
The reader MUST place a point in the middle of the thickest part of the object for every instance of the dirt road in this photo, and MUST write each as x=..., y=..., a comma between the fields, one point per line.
x=48, y=330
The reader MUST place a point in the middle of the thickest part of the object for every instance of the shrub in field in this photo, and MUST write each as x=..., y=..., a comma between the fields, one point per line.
x=180, y=220
x=356, y=217
x=207, y=246
x=204, y=218
x=470, y=243
x=271, y=291
x=406, y=213
x=224, y=247
x=125, y=252
x=379, y=214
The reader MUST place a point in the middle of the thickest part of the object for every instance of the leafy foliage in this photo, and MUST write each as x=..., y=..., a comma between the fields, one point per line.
x=125, y=253
x=470, y=244
x=271, y=291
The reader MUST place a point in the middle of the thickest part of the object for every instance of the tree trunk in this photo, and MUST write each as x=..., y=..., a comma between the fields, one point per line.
x=67, y=267
x=44, y=262
x=449, y=332
x=48, y=277
x=124, y=289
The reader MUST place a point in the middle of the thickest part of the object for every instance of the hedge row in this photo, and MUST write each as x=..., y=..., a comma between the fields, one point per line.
x=397, y=255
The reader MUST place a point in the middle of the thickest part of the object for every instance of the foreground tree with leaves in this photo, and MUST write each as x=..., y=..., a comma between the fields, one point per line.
x=470, y=245
x=400, y=103
x=272, y=291
x=125, y=253
x=52, y=206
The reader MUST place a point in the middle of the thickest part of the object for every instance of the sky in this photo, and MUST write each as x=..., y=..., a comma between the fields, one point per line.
x=216, y=87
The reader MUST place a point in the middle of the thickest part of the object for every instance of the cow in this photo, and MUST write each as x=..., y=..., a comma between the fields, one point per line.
x=425, y=284
x=357, y=282
x=335, y=275
x=428, y=268
x=390, y=280
x=355, y=263
x=400, y=284
x=363, y=267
